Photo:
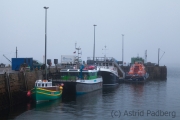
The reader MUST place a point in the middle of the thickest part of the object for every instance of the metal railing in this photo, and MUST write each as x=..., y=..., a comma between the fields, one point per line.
x=115, y=62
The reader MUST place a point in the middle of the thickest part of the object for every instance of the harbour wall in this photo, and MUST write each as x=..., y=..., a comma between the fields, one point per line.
x=14, y=87
x=155, y=72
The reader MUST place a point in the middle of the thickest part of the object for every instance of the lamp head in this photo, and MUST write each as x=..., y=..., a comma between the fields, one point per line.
x=46, y=7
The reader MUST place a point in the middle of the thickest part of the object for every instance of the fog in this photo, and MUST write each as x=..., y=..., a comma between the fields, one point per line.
x=146, y=25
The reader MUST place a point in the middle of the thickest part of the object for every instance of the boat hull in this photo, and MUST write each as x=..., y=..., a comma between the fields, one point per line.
x=133, y=78
x=79, y=87
x=85, y=86
x=43, y=94
x=109, y=78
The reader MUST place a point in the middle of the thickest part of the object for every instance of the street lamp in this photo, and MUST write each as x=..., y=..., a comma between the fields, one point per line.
x=94, y=43
x=45, y=38
x=122, y=48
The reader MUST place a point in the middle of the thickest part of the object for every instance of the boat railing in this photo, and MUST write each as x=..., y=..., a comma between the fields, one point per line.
x=108, y=67
x=101, y=58
x=103, y=67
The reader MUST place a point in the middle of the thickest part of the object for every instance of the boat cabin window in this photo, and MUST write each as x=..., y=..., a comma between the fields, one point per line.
x=69, y=75
x=99, y=64
x=43, y=84
x=64, y=74
x=92, y=73
x=74, y=73
x=85, y=75
x=106, y=64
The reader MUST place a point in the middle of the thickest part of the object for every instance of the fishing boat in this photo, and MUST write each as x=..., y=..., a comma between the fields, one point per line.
x=109, y=74
x=80, y=80
x=44, y=91
x=137, y=73
x=108, y=68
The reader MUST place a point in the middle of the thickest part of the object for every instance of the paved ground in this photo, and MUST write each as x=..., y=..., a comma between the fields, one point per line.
x=9, y=70
x=6, y=69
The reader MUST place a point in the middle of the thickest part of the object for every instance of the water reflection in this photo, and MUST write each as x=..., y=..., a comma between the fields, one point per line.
x=110, y=89
x=84, y=106
x=138, y=89
x=12, y=112
x=46, y=105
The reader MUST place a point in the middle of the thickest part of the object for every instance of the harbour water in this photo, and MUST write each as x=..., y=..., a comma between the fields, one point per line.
x=155, y=99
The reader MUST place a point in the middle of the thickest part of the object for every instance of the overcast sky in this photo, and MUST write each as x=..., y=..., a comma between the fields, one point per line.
x=146, y=25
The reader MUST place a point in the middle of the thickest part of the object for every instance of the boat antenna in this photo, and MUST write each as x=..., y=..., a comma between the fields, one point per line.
x=75, y=45
x=145, y=59
x=78, y=54
x=105, y=51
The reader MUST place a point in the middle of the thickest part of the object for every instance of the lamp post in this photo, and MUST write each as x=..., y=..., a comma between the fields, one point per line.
x=94, y=43
x=158, y=55
x=45, y=38
x=122, y=49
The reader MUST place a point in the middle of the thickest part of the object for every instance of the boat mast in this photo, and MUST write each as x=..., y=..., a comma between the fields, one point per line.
x=104, y=53
x=78, y=63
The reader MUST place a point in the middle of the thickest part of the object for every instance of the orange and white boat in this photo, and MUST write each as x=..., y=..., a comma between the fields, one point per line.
x=137, y=72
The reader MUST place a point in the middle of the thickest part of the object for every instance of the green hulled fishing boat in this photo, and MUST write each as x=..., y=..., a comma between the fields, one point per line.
x=84, y=80
x=44, y=91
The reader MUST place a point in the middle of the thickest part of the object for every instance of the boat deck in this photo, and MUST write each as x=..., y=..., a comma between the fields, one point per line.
x=60, y=80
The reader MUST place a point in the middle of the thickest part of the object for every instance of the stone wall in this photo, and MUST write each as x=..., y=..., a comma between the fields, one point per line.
x=14, y=87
